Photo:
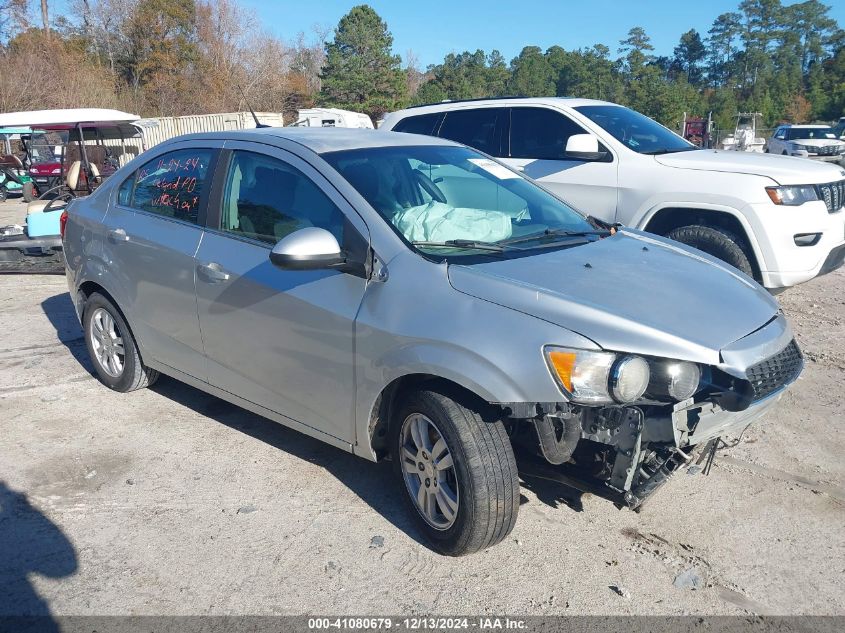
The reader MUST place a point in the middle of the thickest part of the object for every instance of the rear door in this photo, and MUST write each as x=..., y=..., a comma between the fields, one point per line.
x=536, y=144
x=152, y=234
x=281, y=339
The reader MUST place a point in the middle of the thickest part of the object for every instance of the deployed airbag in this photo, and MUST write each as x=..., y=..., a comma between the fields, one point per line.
x=437, y=222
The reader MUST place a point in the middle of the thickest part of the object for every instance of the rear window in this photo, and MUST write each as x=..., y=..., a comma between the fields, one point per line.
x=420, y=124
x=171, y=185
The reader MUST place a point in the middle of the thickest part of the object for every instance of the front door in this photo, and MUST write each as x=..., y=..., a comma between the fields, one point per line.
x=281, y=339
x=537, y=147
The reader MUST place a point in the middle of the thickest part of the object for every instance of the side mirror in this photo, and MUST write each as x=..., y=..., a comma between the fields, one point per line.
x=310, y=248
x=583, y=147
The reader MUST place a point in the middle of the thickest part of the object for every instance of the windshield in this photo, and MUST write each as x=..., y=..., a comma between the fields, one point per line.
x=453, y=200
x=810, y=133
x=46, y=147
x=635, y=131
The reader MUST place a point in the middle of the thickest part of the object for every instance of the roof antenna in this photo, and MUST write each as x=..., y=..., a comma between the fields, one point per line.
x=251, y=111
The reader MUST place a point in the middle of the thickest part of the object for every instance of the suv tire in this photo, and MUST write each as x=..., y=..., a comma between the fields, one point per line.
x=112, y=347
x=435, y=438
x=717, y=242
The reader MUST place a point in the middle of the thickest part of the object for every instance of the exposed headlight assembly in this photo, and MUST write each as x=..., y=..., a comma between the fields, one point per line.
x=792, y=195
x=598, y=377
x=677, y=379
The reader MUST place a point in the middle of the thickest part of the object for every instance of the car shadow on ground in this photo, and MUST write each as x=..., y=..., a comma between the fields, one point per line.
x=30, y=543
x=373, y=483
x=62, y=315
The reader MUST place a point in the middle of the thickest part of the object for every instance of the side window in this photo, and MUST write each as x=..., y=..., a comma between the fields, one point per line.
x=476, y=128
x=421, y=124
x=540, y=133
x=266, y=199
x=781, y=133
x=124, y=194
x=172, y=185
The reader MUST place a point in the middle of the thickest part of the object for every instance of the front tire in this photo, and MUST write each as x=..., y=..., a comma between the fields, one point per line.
x=457, y=472
x=112, y=347
x=717, y=242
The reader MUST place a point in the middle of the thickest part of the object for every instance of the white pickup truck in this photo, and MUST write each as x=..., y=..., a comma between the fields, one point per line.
x=776, y=218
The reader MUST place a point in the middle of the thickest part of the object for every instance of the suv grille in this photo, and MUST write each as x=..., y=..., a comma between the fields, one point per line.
x=833, y=195
x=775, y=372
x=829, y=150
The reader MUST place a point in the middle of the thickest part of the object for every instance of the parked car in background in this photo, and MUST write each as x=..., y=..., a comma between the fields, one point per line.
x=819, y=142
x=392, y=294
x=777, y=219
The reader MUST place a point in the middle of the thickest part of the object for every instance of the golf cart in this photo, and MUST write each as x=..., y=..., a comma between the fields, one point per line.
x=68, y=154
x=744, y=138
x=13, y=173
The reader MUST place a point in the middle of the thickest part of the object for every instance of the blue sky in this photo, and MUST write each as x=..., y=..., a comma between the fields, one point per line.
x=433, y=28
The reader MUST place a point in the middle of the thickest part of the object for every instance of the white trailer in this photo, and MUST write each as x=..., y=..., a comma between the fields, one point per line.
x=332, y=117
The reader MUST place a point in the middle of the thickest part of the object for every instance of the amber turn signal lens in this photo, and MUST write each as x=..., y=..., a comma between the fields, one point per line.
x=564, y=364
x=774, y=195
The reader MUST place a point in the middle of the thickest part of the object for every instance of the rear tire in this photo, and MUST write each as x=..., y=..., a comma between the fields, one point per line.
x=718, y=242
x=112, y=347
x=477, y=502
x=29, y=192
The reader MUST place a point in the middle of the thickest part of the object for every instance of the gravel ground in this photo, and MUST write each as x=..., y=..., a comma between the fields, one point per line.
x=169, y=501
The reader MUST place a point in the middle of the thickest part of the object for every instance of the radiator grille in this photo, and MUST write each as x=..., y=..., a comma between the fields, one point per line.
x=775, y=372
x=833, y=195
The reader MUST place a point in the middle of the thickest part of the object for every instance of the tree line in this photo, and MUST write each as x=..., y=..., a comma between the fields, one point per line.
x=171, y=57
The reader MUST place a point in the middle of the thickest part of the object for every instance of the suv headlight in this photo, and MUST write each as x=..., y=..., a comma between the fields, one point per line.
x=792, y=195
x=598, y=377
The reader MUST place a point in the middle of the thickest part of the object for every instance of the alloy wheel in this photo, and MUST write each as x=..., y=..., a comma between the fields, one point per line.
x=429, y=471
x=107, y=342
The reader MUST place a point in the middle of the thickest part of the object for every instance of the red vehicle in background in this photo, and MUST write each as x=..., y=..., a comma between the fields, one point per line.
x=697, y=130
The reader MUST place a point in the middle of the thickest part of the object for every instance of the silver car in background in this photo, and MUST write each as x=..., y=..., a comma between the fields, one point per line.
x=410, y=298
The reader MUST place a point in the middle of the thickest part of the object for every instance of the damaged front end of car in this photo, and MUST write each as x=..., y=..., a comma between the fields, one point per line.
x=632, y=421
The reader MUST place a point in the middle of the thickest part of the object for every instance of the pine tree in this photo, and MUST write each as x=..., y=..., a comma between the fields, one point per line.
x=361, y=71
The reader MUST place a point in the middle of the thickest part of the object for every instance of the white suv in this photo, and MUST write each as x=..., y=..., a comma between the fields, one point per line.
x=776, y=218
x=818, y=142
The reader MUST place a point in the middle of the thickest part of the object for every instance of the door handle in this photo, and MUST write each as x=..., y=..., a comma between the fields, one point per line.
x=212, y=273
x=117, y=235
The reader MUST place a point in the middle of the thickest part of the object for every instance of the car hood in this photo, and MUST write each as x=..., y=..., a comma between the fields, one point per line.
x=632, y=292
x=784, y=170
x=816, y=142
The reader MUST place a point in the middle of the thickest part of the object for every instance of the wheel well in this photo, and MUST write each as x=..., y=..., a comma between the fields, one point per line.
x=90, y=287
x=668, y=219
x=382, y=413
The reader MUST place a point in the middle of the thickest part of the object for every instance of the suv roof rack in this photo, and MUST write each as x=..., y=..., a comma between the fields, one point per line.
x=423, y=105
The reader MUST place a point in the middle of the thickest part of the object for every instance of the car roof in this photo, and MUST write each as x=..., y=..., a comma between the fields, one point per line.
x=571, y=102
x=321, y=140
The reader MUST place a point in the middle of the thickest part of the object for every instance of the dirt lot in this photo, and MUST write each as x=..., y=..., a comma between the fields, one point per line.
x=170, y=501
